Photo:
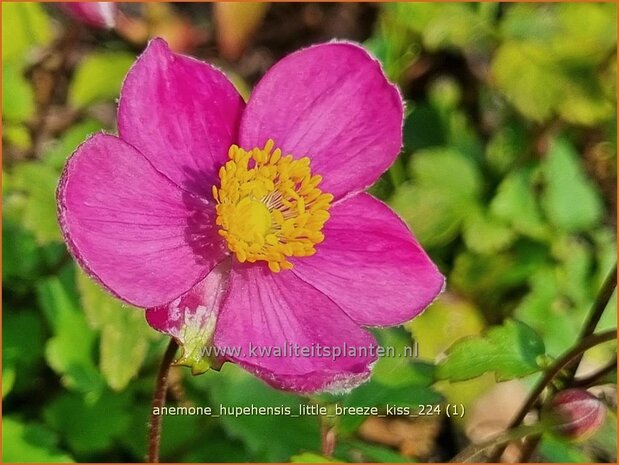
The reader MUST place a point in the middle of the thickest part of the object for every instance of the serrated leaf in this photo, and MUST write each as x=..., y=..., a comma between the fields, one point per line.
x=69, y=351
x=29, y=443
x=516, y=204
x=570, y=199
x=125, y=336
x=510, y=351
x=99, y=77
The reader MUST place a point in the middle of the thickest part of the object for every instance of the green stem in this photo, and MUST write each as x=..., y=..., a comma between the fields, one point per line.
x=551, y=373
x=161, y=387
x=600, y=304
x=595, y=314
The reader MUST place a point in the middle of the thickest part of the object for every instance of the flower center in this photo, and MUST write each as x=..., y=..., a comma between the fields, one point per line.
x=269, y=206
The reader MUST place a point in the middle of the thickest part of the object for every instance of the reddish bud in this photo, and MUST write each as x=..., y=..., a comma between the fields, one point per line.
x=576, y=414
x=95, y=14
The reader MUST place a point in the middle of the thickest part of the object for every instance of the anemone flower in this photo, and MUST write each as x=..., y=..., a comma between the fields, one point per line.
x=244, y=227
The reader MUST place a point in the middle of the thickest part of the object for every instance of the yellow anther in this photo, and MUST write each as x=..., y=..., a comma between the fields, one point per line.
x=270, y=209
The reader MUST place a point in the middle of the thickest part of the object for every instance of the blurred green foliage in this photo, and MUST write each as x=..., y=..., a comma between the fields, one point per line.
x=506, y=178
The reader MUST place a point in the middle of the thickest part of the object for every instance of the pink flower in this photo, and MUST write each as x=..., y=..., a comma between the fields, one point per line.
x=229, y=247
x=95, y=14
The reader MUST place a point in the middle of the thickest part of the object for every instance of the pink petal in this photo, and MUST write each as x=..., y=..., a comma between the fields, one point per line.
x=96, y=14
x=371, y=265
x=332, y=103
x=191, y=318
x=278, y=310
x=182, y=114
x=131, y=228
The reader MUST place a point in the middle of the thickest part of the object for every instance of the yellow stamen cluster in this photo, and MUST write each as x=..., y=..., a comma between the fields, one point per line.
x=269, y=206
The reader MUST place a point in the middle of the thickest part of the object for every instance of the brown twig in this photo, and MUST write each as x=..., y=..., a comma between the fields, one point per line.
x=161, y=387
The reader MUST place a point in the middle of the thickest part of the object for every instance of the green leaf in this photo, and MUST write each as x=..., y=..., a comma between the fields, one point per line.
x=528, y=78
x=89, y=426
x=544, y=74
x=570, y=199
x=262, y=435
x=397, y=379
x=400, y=371
x=24, y=25
x=447, y=168
x=99, y=77
x=556, y=450
x=590, y=27
x=17, y=135
x=23, y=340
x=8, y=377
x=516, y=204
x=17, y=95
x=539, y=85
x=20, y=252
x=510, y=351
x=507, y=145
x=125, y=335
x=29, y=443
x=69, y=351
x=486, y=234
x=35, y=183
x=488, y=278
x=445, y=186
x=546, y=310
x=447, y=319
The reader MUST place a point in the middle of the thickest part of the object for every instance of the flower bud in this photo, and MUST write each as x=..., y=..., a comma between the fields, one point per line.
x=95, y=14
x=576, y=414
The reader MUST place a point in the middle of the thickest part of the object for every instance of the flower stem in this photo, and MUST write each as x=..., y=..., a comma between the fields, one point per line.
x=159, y=396
x=551, y=373
x=600, y=304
